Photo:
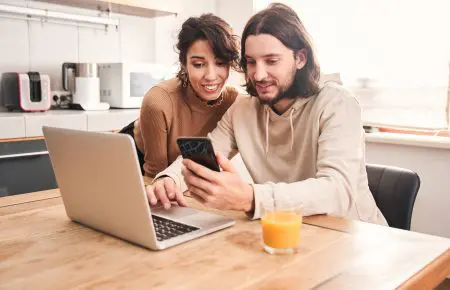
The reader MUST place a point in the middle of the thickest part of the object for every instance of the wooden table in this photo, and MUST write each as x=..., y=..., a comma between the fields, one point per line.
x=41, y=249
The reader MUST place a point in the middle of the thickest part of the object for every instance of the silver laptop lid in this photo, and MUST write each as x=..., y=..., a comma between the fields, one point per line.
x=89, y=168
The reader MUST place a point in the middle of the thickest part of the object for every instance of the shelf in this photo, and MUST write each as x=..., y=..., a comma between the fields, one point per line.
x=50, y=15
x=142, y=8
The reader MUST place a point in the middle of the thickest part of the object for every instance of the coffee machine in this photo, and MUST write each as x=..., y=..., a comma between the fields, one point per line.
x=85, y=86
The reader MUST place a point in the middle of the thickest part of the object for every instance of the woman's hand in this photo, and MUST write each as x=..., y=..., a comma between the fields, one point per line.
x=165, y=191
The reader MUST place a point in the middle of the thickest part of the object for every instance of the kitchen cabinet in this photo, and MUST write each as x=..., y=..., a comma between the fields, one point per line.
x=12, y=125
x=143, y=8
x=76, y=120
x=25, y=166
x=111, y=120
x=24, y=162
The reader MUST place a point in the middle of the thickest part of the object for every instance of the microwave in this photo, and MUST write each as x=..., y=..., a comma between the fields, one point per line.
x=124, y=85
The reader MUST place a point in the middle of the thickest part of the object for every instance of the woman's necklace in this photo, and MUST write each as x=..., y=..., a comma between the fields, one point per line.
x=211, y=103
x=214, y=103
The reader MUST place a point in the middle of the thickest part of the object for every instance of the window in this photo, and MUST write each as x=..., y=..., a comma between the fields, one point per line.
x=394, y=54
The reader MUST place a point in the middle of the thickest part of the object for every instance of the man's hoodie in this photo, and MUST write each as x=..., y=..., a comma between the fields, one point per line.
x=313, y=153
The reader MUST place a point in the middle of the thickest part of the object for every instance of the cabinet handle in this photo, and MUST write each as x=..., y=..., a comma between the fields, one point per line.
x=31, y=154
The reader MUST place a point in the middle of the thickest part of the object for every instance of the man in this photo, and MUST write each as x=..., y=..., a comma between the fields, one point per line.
x=298, y=139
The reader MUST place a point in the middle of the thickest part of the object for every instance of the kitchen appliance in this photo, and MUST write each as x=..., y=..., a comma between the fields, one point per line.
x=85, y=88
x=123, y=85
x=29, y=92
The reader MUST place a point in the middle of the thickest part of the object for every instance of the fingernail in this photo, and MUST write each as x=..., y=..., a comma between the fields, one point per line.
x=166, y=205
x=171, y=195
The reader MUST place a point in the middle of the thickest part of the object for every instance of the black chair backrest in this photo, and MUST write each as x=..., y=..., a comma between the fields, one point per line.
x=394, y=190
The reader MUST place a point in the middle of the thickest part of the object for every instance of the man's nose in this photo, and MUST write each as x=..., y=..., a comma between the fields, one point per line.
x=260, y=72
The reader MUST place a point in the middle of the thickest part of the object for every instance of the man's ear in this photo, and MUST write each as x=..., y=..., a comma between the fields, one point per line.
x=301, y=58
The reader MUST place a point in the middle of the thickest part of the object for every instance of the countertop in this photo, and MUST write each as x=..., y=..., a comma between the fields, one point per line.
x=67, y=112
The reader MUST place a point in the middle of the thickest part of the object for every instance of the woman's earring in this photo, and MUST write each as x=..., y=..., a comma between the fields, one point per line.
x=184, y=79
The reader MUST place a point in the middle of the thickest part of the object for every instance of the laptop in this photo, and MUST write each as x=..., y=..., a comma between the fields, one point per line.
x=102, y=187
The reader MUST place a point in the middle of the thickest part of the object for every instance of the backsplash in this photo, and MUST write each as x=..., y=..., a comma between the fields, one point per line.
x=44, y=46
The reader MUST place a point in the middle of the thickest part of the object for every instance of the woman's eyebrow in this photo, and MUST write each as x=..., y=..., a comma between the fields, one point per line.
x=198, y=57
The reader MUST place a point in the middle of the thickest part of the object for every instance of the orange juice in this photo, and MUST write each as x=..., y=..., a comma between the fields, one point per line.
x=281, y=230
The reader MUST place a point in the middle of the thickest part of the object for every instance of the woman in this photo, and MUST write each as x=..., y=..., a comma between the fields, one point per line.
x=192, y=103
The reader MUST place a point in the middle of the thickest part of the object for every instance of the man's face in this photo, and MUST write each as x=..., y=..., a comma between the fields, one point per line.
x=271, y=67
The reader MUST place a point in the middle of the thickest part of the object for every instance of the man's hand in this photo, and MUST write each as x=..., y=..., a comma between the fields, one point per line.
x=223, y=190
x=165, y=191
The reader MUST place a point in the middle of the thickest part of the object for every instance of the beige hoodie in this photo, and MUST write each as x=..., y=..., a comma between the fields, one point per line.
x=313, y=153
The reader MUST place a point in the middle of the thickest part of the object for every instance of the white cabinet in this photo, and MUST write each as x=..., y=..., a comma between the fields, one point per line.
x=22, y=125
x=111, y=120
x=12, y=125
x=70, y=120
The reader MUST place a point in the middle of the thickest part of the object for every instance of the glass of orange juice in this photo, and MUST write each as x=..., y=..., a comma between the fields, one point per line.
x=281, y=226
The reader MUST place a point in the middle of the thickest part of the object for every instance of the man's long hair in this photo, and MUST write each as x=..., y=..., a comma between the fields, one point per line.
x=282, y=22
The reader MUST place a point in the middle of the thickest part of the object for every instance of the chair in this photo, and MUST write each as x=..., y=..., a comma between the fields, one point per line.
x=394, y=190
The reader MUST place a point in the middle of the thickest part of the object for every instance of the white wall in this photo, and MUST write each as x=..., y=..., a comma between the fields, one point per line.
x=237, y=13
x=167, y=28
x=432, y=208
x=43, y=47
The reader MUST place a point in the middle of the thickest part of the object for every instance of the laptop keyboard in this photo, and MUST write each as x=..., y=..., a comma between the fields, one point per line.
x=166, y=229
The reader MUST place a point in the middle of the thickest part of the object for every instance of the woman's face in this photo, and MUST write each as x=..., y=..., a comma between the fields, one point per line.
x=207, y=74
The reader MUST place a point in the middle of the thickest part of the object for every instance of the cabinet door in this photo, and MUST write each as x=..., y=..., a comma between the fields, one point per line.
x=25, y=167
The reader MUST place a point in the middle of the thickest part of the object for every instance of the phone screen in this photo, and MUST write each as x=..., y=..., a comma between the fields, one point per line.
x=199, y=150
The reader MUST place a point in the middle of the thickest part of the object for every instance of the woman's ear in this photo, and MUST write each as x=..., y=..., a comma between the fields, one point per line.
x=301, y=58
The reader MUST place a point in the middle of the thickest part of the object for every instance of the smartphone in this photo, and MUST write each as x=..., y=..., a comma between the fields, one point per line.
x=199, y=150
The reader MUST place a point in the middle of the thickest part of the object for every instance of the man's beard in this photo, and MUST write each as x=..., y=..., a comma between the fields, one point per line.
x=286, y=92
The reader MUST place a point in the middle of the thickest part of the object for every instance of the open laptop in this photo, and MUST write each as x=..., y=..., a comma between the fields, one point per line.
x=102, y=187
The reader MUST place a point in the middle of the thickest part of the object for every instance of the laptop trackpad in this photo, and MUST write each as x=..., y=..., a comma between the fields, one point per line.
x=175, y=212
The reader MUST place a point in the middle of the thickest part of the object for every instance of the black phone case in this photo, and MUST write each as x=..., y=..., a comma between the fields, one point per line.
x=199, y=150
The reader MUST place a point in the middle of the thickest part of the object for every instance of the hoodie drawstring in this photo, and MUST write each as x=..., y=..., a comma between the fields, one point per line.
x=267, y=130
x=292, y=129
